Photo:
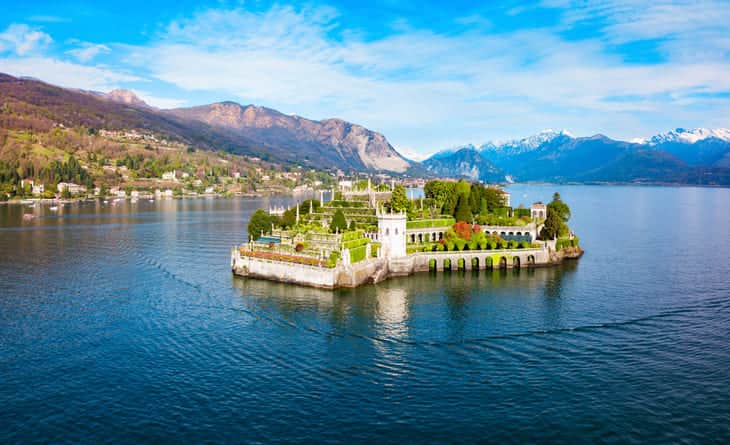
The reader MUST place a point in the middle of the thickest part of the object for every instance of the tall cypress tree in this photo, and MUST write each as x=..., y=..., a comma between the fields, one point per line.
x=463, y=210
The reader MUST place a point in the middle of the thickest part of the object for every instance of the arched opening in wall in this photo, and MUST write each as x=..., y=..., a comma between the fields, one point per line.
x=413, y=238
x=488, y=263
x=542, y=215
x=531, y=260
x=503, y=263
x=387, y=231
x=447, y=264
x=516, y=262
x=432, y=265
x=502, y=234
x=396, y=231
x=475, y=263
x=512, y=234
x=519, y=234
x=441, y=236
x=420, y=237
x=461, y=264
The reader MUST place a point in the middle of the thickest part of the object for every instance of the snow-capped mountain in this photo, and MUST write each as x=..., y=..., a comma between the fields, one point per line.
x=698, y=156
x=528, y=143
x=450, y=151
x=685, y=136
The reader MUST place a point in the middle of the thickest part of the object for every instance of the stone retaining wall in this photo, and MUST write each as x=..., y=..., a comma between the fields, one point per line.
x=374, y=270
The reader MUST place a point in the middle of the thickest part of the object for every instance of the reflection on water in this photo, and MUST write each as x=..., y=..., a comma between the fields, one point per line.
x=394, y=308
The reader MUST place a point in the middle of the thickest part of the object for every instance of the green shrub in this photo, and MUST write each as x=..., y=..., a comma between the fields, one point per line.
x=332, y=261
x=349, y=236
x=521, y=213
x=428, y=223
x=339, y=203
x=358, y=254
x=460, y=244
x=355, y=243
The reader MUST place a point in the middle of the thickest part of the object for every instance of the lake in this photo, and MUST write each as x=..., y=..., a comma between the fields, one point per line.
x=123, y=323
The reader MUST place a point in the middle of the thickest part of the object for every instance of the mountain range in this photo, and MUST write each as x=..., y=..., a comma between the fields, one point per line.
x=240, y=129
x=698, y=156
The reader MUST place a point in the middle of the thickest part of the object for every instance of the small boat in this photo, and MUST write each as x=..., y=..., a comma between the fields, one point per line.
x=28, y=216
x=53, y=208
x=106, y=202
x=152, y=200
x=27, y=201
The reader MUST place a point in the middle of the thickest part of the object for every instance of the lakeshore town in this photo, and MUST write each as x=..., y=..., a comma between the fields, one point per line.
x=366, y=233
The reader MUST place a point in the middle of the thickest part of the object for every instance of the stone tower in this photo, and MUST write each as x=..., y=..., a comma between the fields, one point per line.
x=392, y=234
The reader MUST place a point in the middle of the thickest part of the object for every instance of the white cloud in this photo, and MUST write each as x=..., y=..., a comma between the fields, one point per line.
x=404, y=84
x=414, y=155
x=23, y=40
x=426, y=89
x=65, y=74
x=159, y=102
x=86, y=51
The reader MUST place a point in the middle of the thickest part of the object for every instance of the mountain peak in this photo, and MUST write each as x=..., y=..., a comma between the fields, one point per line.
x=528, y=143
x=686, y=136
x=125, y=97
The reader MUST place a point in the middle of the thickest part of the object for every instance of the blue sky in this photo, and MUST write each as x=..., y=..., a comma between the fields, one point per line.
x=428, y=75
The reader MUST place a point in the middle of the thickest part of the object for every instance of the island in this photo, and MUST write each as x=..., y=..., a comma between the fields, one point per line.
x=368, y=233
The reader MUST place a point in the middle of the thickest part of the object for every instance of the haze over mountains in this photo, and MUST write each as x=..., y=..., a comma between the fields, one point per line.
x=699, y=156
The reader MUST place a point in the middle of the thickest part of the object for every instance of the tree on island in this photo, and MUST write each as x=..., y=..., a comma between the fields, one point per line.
x=398, y=200
x=558, y=213
x=339, y=223
x=289, y=218
x=559, y=207
x=463, y=210
x=260, y=223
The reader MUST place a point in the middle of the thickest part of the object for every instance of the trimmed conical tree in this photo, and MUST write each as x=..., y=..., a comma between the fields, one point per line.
x=463, y=210
x=338, y=222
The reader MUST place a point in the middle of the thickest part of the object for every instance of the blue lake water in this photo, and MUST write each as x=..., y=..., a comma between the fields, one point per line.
x=124, y=324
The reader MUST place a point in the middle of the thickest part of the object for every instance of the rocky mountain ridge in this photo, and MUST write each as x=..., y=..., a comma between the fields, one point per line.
x=245, y=130
x=698, y=156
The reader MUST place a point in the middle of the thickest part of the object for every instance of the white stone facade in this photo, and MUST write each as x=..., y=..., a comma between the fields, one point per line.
x=392, y=234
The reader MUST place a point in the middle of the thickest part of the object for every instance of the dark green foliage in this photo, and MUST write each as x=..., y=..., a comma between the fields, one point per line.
x=289, y=218
x=259, y=223
x=445, y=197
x=463, y=211
x=339, y=223
x=399, y=201
x=560, y=208
x=521, y=213
x=558, y=213
x=69, y=171
x=304, y=206
x=553, y=226
x=441, y=192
